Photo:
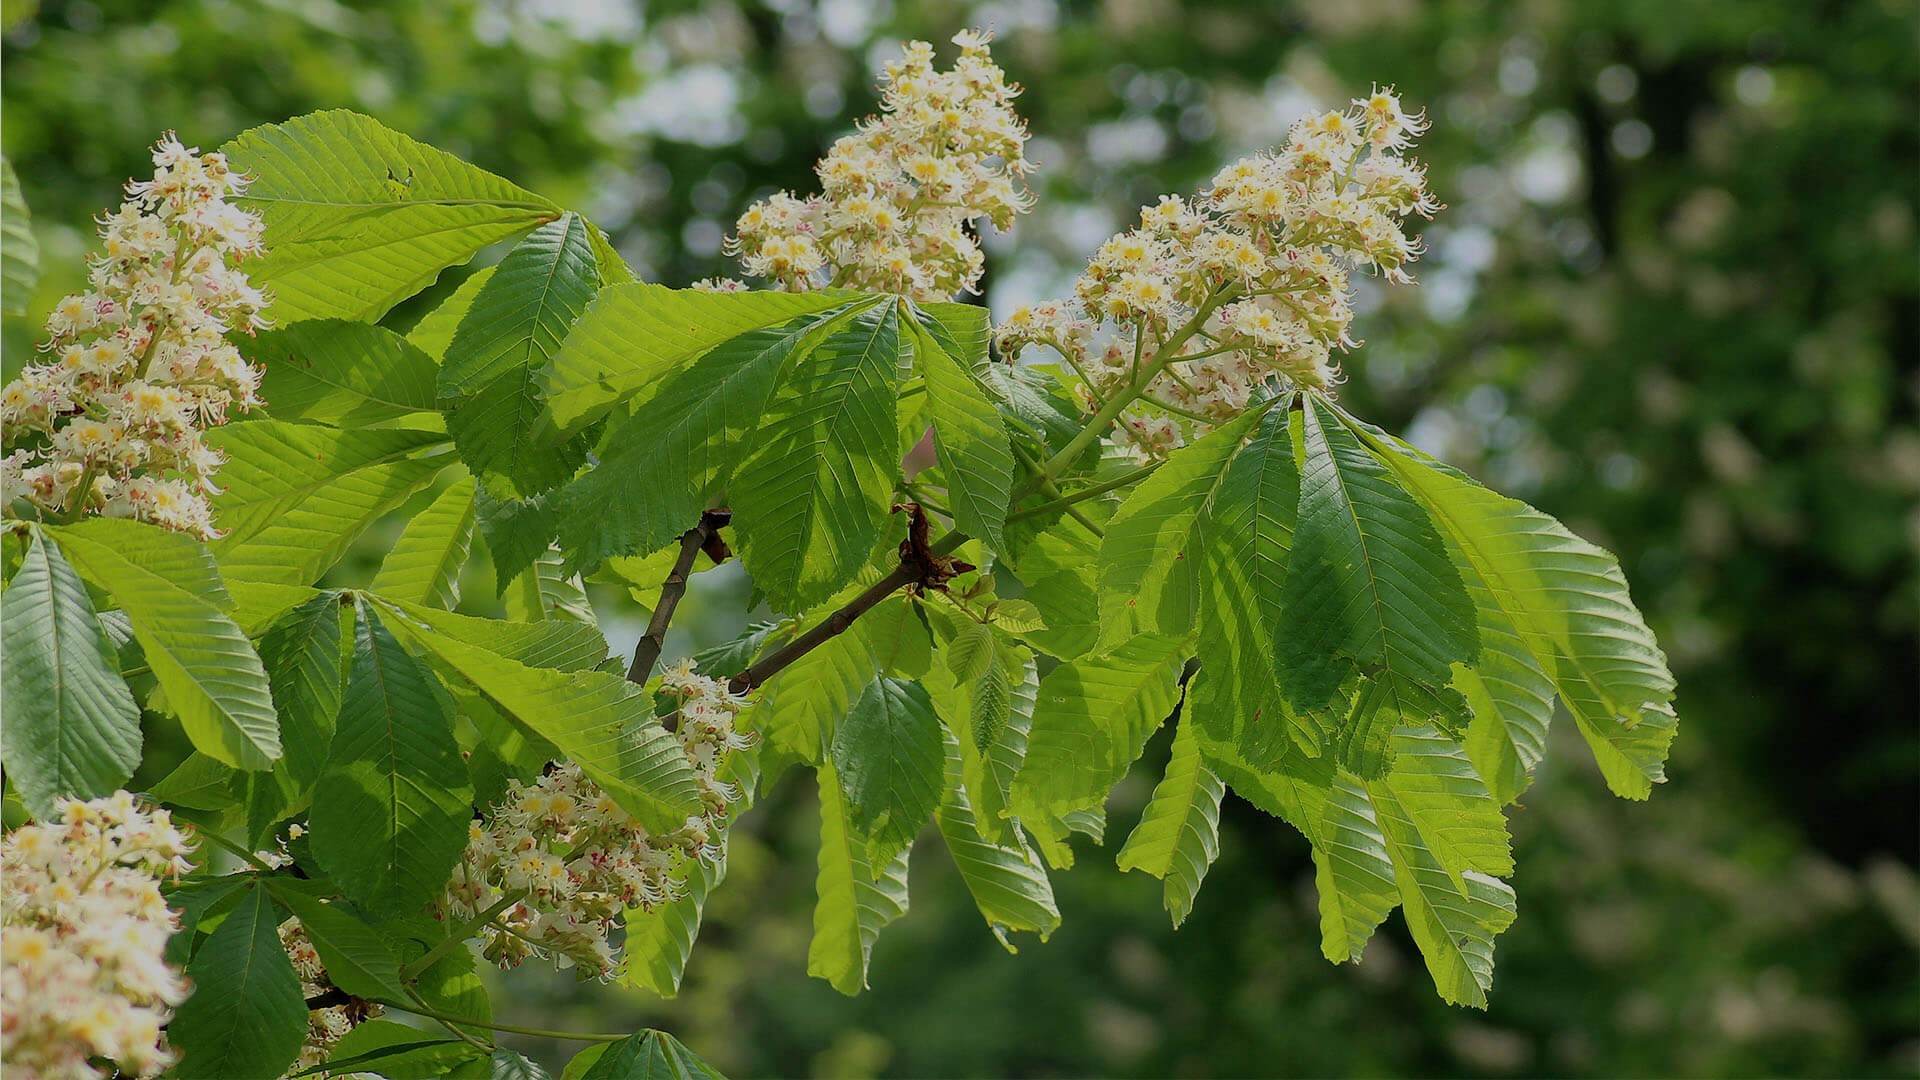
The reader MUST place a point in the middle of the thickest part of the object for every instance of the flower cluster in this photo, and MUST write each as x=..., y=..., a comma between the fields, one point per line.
x=558, y=861
x=325, y=1027
x=139, y=364
x=1247, y=286
x=898, y=195
x=86, y=929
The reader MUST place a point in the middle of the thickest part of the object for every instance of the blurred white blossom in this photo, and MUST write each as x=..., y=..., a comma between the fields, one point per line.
x=85, y=937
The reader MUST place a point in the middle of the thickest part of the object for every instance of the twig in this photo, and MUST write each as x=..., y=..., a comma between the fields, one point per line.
x=702, y=537
x=923, y=564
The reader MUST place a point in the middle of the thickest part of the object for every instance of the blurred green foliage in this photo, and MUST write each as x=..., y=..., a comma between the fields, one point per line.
x=1675, y=304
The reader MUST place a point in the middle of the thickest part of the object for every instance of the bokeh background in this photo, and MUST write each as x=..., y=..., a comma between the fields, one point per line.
x=1674, y=303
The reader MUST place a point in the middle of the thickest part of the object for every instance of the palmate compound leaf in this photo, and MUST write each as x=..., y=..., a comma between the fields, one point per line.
x=1093, y=717
x=424, y=564
x=362, y=217
x=1150, y=556
x=171, y=592
x=888, y=759
x=855, y=899
x=340, y=373
x=296, y=495
x=632, y=336
x=1567, y=603
x=72, y=726
x=600, y=721
x=1246, y=536
x=1179, y=835
x=245, y=1018
x=306, y=653
x=809, y=500
x=490, y=375
x=390, y=810
x=1369, y=584
x=1428, y=836
x=969, y=436
x=1007, y=881
x=676, y=452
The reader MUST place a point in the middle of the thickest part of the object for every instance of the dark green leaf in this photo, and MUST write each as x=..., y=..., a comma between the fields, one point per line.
x=72, y=727
x=333, y=371
x=246, y=1019
x=888, y=759
x=390, y=812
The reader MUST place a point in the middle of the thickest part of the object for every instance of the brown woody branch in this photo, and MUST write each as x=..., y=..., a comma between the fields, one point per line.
x=922, y=565
x=702, y=537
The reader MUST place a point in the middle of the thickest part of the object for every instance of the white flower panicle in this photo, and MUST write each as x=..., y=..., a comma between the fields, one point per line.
x=572, y=861
x=899, y=195
x=325, y=1027
x=84, y=942
x=1246, y=286
x=139, y=364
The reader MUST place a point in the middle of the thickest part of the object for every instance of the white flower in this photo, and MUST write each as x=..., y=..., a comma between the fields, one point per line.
x=82, y=957
x=899, y=194
x=577, y=861
x=1248, y=285
x=140, y=364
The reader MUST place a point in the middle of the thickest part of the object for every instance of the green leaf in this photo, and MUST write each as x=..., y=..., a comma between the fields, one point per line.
x=674, y=455
x=246, y=1018
x=1369, y=584
x=1512, y=703
x=1246, y=536
x=297, y=495
x=357, y=960
x=1001, y=702
x=396, y=1051
x=660, y=941
x=515, y=326
x=517, y=532
x=390, y=812
x=1567, y=602
x=855, y=899
x=799, y=707
x=632, y=336
x=194, y=899
x=305, y=656
x=1008, y=884
x=434, y=332
x=1453, y=926
x=72, y=725
x=424, y=564
x=601, y=721
x=898, y=637
x=975, y=455
x=19, y=250
x=1179, y=835
x=545, y=591
x=1094, y=716
x=1150, y=557
x=561, y=644
x=168, y=586
x=649, y=1055
x=523, y=311
x=360, y=217
x=809, y=501
x=507, y=1065
x=342, y=373
x=887, y=757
